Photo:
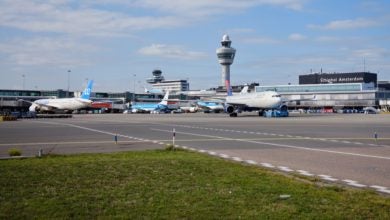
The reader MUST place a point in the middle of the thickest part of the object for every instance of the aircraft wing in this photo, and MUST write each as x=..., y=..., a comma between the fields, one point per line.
x=39, y=104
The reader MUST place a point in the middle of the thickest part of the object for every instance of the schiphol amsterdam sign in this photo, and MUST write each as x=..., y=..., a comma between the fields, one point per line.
x=341, y=79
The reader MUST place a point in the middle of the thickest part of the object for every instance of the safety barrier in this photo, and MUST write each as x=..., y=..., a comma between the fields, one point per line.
x=8, y=118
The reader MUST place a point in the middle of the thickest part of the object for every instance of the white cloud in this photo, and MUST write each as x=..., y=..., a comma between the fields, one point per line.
x=296, y=37
x=89, y=18
x=207, y=7
x=170, y=51
x=347, y=24
x=371, y=53
x=260, y=40
x=62, y=18
x=46, y=51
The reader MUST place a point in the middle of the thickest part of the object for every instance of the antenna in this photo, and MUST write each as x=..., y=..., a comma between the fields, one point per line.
x=364, y=64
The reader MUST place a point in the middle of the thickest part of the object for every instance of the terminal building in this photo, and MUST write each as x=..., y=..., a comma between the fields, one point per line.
x=158, y=82
x=335, y=91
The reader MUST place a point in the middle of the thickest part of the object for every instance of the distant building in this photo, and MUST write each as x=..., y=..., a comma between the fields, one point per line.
x=159, y=83
x=329, y=78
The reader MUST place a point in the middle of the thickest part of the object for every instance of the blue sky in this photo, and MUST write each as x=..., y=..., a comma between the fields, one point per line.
x=119, y=42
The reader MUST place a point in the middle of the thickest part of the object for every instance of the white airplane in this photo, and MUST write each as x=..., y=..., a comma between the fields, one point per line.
x=255, y=101
x=66, y=104
x=151, y=107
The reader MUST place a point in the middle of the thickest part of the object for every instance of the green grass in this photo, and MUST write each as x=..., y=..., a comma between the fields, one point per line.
x=169, y=185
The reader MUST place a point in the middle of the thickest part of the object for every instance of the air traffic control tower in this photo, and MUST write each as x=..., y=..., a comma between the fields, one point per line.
x=225, y=57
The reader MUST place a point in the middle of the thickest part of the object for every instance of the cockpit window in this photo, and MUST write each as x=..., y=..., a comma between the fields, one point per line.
x=276, y=96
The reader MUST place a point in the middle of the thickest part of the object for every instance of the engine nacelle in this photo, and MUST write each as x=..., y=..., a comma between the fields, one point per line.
x=229, y=109
x=283, y=108
x=34, y=108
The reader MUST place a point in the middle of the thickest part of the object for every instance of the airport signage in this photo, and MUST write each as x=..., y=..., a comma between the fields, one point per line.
x=341, y=79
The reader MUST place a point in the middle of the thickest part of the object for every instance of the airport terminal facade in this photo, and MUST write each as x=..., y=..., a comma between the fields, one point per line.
x=331, y=92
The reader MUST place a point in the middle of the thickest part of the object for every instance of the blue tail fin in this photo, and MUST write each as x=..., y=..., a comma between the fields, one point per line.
x=87, y=92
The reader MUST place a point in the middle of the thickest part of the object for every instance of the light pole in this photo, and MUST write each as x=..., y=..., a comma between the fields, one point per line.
x=24, y=77
x=134, y=82
x=67, y=94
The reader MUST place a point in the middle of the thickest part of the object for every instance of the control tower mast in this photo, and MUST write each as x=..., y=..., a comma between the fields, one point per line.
x=225, y=57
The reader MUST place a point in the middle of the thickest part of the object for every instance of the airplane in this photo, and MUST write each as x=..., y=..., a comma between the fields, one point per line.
x=66, y=104
x=210, y=106
x=154, y=91
x=255, y=101
x=151, y=107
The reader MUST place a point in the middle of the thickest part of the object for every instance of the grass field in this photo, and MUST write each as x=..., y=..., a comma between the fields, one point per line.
x=170, y=185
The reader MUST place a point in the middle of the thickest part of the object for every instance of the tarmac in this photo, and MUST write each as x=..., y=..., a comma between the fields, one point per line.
x=349, y=149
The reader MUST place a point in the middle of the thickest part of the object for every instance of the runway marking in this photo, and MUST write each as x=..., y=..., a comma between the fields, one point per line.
x=224, y=156
x=278, y=145
x=212, y=153
x=354, y=183
x=268, y=165
x=237, y=159
x=335, y=140
x=286, y=169
x=305, y=173
x=251, y=162
x=327, y=177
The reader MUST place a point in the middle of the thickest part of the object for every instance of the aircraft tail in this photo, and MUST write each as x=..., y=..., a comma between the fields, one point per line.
x=87, y=91
x=164, y=101
x=228, y=88
x=244, y=90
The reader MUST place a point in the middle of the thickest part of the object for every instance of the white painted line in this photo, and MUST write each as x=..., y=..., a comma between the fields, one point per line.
x=384, y=191
x=373, y=145
x=251, y=162
x=289, y=136
x=184, y=147
x=224, y=156
x=378, y=187
x=280, y=145
x=237, y=159
x=354, y=183
x=212, y=153
x=267, y=165
x=193, y=149
x=327, y=177
x=286, y=169
x=161, y=143
x=201, y=151
x=305, y=173
x=357, y=185
x=346, y=142
x=358, y=143
x=321, y=139
x=155, y=142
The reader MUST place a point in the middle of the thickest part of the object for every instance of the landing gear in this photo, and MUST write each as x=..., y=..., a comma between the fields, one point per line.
x=261, y=113
x=233, y=114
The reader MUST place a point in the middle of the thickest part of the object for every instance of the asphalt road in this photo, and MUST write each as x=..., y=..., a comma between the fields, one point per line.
x=336, y=147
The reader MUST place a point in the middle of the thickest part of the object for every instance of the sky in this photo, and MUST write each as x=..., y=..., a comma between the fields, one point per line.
x=118, y=43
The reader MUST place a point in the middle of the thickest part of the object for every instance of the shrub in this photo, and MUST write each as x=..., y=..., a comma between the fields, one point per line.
x=14, y=152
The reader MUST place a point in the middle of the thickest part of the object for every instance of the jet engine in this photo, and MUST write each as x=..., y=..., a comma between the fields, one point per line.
x=34, y=108
x=229, y=109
